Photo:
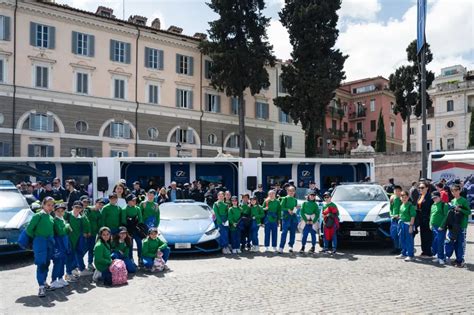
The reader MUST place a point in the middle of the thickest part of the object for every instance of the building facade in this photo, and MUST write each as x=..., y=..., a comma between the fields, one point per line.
x=452, y=93
x=88, y=84
x=356, y=112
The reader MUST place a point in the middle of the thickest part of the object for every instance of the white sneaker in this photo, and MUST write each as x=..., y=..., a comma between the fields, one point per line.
x=41, y=292
x=441, y=262
x=275, y=250
x=224, y=250
x=234, y=251
x=76, y=273
x=70, y=278
x=56, y=285
x=434, y=260
x=96, y=276
x=63, y=282
x=401, y=256
x=239, y=251
x=407, y=259
x=291, y=250
x=280, y=250
x=255, y=249
x=267, y=250
x=86, y=272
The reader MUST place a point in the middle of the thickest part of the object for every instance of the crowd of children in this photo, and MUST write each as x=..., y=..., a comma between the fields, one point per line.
x=447, y=222
x=105, y=232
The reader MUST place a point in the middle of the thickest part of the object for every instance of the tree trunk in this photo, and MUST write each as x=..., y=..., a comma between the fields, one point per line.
x=241, y=126
x=310, y=143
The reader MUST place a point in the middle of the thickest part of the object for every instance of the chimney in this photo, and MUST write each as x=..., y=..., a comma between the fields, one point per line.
x=175, y=29
x=137, y=19
x=200, y=36
x=156, y=24
x=105, y=12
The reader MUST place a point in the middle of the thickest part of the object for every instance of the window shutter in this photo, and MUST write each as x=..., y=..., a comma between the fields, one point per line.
x=127, y=53
x=150, y=93
x=6, y=28
x=190, y=99
x=6, y=149
x=74, y=42
x=1, y=71
x=290, y=142
x=32, y=121
x=160, y=60
x=33, y=34
x=280, y=115
x=126, y=131
x=50, y=123
x=218, y=103
x=265, y=111
x=147, y=57
x=189, y=136
x=91, y=42
x=206, y=69
x=111, y=130
x=207, y=102
x=31, y=150
x=178, y=95
x=52, y=37
x=176, y=135
x=112, y=48
x=45, y=73
x=50, y=151
x=178, y=58
x=191, y=66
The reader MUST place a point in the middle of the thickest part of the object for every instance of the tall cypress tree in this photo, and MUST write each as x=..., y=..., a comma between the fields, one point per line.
x=239, y=50
x=381, y=139
x=316, y=70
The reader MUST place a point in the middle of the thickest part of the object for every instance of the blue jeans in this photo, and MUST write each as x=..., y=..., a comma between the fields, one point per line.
x=79, y=258
x=138, y=240
x=437, y=247
x=308, y=229
x=224, y=236
x=457, y=246
x=254, y=232
x=271, y=229
x=289, y=225
x=406, y=240
x=43, y=249
x=148, y=261
x=61, y=250
x=334, y=241
x=131, y=267
x=107, y=277
x=235, y=236
x=395, y=233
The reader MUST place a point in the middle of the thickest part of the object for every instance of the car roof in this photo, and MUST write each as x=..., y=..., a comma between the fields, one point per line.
x=7, y=185
x=185, y=202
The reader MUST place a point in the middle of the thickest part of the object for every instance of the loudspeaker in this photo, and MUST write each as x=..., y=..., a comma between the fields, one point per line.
x=251, y=183
x=102, y=183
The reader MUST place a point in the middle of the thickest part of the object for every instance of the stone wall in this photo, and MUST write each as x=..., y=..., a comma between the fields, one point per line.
x=403, y=167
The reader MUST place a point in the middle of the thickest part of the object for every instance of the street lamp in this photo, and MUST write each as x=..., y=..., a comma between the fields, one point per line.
x=178, y=149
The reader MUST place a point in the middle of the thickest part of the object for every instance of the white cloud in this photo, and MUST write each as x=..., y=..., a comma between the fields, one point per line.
x=359, y=9
x=279, y=38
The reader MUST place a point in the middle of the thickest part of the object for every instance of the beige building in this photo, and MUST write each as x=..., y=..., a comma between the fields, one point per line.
x=76, y=82
x=452, y=93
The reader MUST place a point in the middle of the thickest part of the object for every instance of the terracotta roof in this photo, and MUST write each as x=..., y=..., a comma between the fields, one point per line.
x=363, y=80
x=111, y=19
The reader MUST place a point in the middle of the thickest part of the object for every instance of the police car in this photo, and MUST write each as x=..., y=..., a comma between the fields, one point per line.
x=15, y=213
x=364, y=212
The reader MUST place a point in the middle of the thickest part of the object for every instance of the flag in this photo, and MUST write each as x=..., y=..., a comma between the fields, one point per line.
x=421, y=24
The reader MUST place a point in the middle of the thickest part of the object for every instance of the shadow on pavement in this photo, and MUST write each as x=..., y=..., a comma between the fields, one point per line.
x=15, y=261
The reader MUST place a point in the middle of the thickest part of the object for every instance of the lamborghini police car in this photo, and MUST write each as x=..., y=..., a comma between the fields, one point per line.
x=364, y=212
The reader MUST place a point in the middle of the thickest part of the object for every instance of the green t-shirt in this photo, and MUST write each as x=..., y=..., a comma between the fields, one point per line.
x=309, y=208
x=221, y=210
x=102, y=259
x=234, y=217
x=150, y=209
x=395, y=204
x=273, y=210
x=465, y=209
x=407, y=211
x=439, y=214
x=41, y=224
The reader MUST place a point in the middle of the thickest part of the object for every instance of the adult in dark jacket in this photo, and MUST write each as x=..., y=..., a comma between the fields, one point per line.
x=174, y=193
x=74, y=195
x=423, y=207
x=49, y=192
x=197, y=194
x=59, y=189
x=260, y=194
x=186, y=191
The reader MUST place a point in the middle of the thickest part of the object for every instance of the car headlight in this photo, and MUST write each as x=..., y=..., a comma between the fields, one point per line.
x=211, y=232
x=384, y=213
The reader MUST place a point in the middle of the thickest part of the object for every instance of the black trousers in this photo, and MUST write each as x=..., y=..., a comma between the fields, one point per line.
x=423, y=222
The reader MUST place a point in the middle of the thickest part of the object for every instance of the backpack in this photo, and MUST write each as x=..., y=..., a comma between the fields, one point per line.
x=158, y=264
x=119, y=272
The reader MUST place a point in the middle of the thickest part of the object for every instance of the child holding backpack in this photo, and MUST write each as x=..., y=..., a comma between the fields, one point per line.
x=62, y=247
x=121, y=245
x=41, y=230
x=310, y=215
x=152, y=248
x=257, y=214
x=235, y=224
x=150, y=210
x=102, y=256
x=438, y=216
x=289, y=220
x=272, y=208
x=330, y=223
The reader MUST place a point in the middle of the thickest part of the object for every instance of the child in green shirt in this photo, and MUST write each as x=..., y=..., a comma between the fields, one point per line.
x=221, y=212
x=246, y=222
x=121, y=245
x=257, y=214
x=131, y=217
x=438, y=216
x=235, y=214
x=272, y=208
x=150, y=210
x=289, y=219
x=310, y=215
x=407, y=220
x=111, y=214
x=62, y=247
x=395, y=203
x=94, y=216
x=102, y=257
x=152, y=248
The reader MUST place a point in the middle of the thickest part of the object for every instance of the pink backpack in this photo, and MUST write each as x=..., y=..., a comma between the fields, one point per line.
x=119, y=272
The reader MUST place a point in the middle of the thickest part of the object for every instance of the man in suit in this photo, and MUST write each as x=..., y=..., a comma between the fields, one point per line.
x=174, y=193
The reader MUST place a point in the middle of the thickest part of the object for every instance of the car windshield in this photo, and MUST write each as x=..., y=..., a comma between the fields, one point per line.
x=359, y=193
x=173, y=211
x=12, y=199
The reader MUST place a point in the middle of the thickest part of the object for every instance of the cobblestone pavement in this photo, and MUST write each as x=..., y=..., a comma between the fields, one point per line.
x=359, y=279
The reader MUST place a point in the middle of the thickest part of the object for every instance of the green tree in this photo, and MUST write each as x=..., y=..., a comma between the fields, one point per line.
x=239, y=50
x=471, y=131
x=405, y=83
x=316, y=70
x=282, y=147
x=381, y=139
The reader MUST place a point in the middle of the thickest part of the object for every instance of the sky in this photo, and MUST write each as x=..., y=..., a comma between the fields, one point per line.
x=374, y=33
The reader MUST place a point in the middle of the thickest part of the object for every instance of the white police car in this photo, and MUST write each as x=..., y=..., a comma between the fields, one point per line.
x=364, y=212
x=15, y=213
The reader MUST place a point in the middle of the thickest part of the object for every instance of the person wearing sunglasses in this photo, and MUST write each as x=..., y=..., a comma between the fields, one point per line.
x=423, y=207
x=458, y=241
x=407, y=221
x=331, y=223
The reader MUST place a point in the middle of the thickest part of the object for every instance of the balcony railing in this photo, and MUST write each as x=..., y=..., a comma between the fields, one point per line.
x=358, y=115
x=336, y=133
x=450, y=86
